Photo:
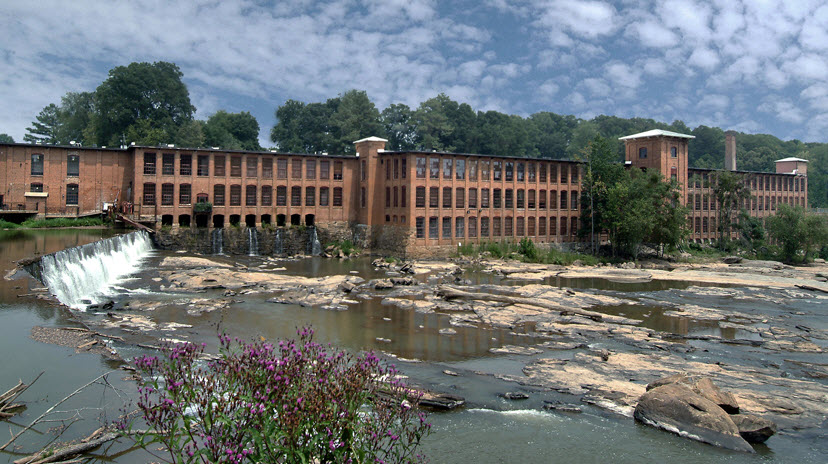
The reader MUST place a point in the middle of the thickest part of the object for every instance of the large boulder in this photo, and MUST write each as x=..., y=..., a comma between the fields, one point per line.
x=677, y=408
x=704, y=387
x=725, y=400
x=754, y=429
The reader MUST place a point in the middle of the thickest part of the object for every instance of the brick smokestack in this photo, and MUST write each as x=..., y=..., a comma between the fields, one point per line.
x=730, y=151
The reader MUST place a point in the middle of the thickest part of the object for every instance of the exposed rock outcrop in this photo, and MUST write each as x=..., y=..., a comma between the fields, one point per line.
x=677, y=408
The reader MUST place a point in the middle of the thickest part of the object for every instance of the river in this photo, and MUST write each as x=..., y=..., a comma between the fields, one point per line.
x=489, y=429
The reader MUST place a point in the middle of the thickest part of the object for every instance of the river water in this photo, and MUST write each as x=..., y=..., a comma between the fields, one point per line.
x=488, y=430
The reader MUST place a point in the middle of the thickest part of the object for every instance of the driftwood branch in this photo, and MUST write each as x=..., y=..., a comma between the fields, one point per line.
x=451, y=293
x=7, y=399
x=96, y=439
x=48, y=411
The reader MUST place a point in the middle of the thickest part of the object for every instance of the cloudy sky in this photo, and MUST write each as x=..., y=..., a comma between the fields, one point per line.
x=759, y=66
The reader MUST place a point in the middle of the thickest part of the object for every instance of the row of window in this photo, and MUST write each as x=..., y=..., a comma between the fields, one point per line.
x=461, y=169
x=500, y=198
x=462, y=227
x=299, y=168
x=71, y=192
x=754, y=203
x=770, y=183
x=253, y=195
x=72, y=165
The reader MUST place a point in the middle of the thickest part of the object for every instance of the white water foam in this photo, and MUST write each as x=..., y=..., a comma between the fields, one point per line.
x=85, y=275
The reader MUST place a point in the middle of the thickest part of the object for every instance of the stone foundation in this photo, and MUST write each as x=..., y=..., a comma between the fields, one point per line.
x=236, y=240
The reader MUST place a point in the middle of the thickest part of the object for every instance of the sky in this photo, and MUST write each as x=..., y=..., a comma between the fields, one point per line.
x=757, y=66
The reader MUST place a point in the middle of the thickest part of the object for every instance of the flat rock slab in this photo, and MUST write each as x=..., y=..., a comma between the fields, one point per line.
x=514, y=349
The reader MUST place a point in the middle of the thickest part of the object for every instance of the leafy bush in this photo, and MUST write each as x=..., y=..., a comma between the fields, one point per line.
x=466, y=249
x=8, y=225
x=528, y=250
x=297, y=401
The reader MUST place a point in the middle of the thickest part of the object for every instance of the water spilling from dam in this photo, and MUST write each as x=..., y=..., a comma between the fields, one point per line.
x=84, y=275
x=218, y=241
x=252, y=242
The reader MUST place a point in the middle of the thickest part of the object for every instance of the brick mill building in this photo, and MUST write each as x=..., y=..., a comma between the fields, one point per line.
x=436, y=200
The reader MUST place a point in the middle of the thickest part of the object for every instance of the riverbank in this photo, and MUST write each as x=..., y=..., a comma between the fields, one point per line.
x=588, y=336
x=600, y=346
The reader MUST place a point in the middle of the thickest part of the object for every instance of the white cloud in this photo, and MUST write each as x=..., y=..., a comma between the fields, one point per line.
x=597, y=87
x=653, y=34
x=715, y=102
x=584, y=19
x=704, y=58
x=783, y=109
x=623, y=75
x=809, y=67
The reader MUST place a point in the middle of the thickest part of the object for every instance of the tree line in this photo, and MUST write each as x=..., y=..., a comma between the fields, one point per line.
x=144, y=103
x=149, y=104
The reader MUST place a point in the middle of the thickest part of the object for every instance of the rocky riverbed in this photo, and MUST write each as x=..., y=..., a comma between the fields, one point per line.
x=602, y=346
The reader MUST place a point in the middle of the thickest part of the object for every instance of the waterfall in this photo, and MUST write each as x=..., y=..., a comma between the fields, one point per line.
x=84, y=275
x=278, y=245
x=314, y=247
x=218, y=241
x=252, y=242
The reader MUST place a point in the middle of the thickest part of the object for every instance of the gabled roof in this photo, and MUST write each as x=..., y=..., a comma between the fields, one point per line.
x=371, y=139
x=791, y=159
x=657, y=133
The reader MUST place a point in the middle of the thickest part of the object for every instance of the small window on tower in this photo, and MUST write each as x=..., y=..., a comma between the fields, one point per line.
x=673, y=152
x=642, y=152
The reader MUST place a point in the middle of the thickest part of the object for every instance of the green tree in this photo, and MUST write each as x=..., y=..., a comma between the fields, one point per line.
x=75, y=113
x=550, y=133
x=302, y=128
x=730, y=190
x=144, y=132
x=707, y=150
x=435, y=129
x=6, y=138
x=138, y=92
x=602, y=172
x=46, y=128
x=751, y=232
x=396, y=119
x=232, y=131
x=581, y=136
x=797, y=231
x=191, y=134
x=355, y=118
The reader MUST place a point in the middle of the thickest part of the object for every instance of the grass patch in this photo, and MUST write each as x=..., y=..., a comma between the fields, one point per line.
x=8, y=225
x=61, y=222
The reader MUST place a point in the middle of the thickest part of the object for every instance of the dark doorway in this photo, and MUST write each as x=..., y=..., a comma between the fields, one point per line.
x=266, y=219
x=166, y=220
x=218, y=221
x=235, y=219
x=309, y=220
x=280, y=220
x=250, y=220
x=295, y=219
x=184, y=220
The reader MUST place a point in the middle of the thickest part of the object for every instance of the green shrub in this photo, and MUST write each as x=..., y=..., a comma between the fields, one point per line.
x=347, y=247
x=466, y=249
x=528, y=250
x=8, y=225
